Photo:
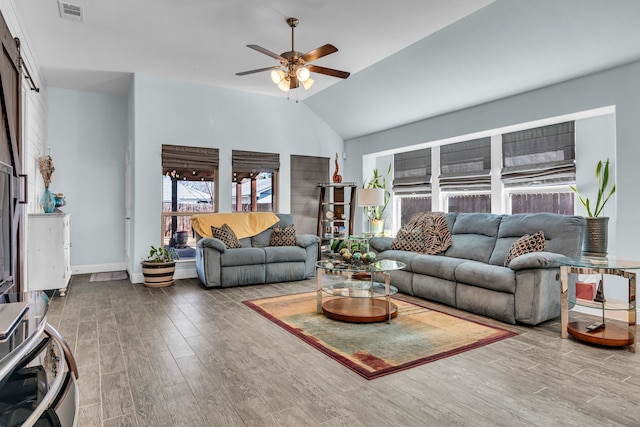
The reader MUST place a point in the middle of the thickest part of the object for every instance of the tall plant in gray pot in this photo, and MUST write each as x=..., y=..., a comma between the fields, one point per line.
x=597, y=234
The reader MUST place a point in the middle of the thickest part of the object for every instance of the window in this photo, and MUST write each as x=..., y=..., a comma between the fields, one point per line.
x=538, y=167
x=560, y=203
x=411, y=205
x=254, y=181
x=466, y=167
x=188, y=187
x=412, y=182
x=469, y=203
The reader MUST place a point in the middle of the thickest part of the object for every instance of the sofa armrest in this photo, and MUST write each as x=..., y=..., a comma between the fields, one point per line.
x=535, y=260
x=212, y=243
x=381, y=244
x=305, y=240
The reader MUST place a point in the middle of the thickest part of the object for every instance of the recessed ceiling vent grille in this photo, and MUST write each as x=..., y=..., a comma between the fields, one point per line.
x=70, y=11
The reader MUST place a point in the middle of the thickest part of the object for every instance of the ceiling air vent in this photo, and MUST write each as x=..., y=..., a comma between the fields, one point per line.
x=70, y=11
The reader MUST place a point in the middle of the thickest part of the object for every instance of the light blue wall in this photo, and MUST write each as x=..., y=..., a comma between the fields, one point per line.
x=87, y=136
x=180, y=113
x=619, y=87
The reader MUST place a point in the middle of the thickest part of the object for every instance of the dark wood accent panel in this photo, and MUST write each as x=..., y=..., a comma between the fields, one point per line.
x=306, y=173
x=11, y=136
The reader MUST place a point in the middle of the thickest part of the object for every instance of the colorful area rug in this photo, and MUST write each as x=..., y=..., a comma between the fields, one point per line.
x=417, y=336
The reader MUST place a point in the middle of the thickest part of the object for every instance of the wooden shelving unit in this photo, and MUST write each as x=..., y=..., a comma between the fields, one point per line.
x=336, y=210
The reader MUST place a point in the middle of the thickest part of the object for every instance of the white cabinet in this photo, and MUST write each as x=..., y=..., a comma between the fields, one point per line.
x=48, y=252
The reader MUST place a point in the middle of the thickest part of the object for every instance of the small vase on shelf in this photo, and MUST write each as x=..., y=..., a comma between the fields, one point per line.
x=47, y=201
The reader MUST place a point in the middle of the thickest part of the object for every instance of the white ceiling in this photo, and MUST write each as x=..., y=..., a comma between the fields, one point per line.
x=409, y=59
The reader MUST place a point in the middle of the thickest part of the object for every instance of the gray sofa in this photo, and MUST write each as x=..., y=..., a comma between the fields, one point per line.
x=470, y=274
x=256, y=262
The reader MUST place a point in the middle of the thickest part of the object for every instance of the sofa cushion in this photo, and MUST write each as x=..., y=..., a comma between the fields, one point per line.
x=283, y=237
x=524, y=245
x=493, y=277
x=275, y=254
x=242, y=256
x=473, y=236
x=402, y=256
x=226, y=234
x=563, y=233
x=438, y=266
x=409, y=240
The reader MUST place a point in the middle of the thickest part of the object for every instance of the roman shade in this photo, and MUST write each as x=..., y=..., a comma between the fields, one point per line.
x=412, y=172
x=253, y=161
x=190, y=163
x=466, y=165
x=539, y=156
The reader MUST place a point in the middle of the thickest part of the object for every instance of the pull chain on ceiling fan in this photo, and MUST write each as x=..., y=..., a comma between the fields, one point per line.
x=295, y=68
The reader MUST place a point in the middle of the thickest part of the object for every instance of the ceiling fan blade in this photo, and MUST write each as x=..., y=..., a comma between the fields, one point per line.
x=266, y=52
x=294, y=83
x=325, y=50
x=328, y=71
x=259, y=70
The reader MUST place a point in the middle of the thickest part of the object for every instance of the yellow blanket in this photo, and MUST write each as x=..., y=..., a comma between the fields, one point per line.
x=244, y=224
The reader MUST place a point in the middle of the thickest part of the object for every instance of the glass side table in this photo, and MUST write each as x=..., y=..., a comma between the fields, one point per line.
x=599, y=332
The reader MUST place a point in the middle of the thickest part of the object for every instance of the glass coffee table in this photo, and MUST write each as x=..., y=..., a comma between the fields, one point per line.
x=357, y=297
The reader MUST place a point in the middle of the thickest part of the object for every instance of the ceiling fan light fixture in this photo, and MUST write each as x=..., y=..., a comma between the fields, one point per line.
x=284, y=85
x=307, y=83
x=277, y=76
x=303, y=74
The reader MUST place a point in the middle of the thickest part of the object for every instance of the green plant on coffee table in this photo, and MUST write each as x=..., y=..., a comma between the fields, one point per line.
x=602, y=175
x=161, y=254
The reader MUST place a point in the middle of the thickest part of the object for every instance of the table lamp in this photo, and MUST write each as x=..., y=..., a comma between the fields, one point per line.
x=369, y=198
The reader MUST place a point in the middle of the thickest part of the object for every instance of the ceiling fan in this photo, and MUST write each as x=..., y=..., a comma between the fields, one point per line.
x=295, y=67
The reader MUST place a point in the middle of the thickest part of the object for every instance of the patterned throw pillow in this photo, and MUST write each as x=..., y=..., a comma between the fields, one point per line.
x=525, y=245
x=408, y=240
x=286, y=237
x=226, y=234
x=437, y=237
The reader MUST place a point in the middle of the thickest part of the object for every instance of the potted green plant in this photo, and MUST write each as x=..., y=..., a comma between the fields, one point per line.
x=596, y=238
x=158, y=268
x=375, y=213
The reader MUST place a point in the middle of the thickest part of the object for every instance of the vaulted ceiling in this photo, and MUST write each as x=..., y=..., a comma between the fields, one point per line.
x=409, y=59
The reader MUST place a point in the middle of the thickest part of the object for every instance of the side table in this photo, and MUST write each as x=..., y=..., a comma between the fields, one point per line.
x=603, y=334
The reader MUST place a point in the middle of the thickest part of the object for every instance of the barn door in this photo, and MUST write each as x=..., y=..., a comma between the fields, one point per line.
x=10, y=138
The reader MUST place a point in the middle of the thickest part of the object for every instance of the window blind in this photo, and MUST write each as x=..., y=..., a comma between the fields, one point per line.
x=466, y=165
x=412, y=172
x=539, y=156
x=253, y=161
x=182, y=162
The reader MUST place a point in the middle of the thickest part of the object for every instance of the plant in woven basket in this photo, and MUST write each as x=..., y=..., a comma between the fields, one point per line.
x=602, y=176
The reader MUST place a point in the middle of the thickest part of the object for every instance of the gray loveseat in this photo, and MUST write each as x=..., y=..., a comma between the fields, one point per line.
x=471, y=276
x=256, y=262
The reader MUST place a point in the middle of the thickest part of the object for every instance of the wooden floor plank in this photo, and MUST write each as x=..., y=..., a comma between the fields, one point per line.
x=196, y=356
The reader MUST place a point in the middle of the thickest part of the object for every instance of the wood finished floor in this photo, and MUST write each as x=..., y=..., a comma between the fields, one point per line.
x=189, y=356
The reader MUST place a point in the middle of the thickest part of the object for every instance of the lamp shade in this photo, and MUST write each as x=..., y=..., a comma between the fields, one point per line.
x=370, y=197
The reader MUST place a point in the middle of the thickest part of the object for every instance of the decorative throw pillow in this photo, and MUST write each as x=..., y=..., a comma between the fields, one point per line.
x=286, y=237
x=525, y=245
x=437, y=237
x=408, y=240
x=226, y=234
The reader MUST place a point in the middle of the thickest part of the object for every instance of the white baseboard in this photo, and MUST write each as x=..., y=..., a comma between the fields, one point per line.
x=184, y=270
x=97, y=268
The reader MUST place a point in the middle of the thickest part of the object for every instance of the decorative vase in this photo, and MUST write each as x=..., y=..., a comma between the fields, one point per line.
x=596, y=237
x=377, y=227
x=47, y=201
